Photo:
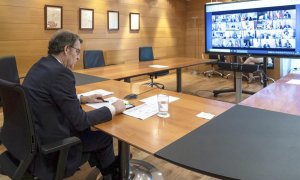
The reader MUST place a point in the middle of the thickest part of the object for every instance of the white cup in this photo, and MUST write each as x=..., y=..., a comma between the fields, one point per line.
x=163, y=105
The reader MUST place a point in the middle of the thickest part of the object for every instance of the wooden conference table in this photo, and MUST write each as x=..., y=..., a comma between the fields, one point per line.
x=154, y=133
x=279, y=96
x=130, y=70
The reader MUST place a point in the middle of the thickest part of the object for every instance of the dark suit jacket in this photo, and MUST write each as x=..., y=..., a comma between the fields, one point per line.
x=57, y=113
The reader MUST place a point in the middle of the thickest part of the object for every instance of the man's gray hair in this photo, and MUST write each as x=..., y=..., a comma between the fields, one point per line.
x=61, y=39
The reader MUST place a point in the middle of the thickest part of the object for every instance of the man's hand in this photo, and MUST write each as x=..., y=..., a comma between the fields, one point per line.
x=95, y=98
x=119, y=105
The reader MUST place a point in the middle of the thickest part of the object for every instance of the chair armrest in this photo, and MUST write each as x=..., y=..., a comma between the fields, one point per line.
x=60, y=145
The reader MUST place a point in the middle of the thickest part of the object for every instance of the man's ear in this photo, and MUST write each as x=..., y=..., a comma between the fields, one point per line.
x=66, y=49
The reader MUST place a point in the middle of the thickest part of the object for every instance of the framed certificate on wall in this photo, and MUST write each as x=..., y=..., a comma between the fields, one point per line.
x=86, y=19
x=113, y=20
x=134, y=21
x=53, y=17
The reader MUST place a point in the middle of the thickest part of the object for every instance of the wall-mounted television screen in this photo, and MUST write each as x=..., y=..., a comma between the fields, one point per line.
x=263, y=28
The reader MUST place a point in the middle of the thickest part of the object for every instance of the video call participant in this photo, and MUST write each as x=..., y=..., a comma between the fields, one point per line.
x=57, y=112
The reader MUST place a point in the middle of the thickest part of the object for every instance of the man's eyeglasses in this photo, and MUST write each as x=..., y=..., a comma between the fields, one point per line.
x=77, y=50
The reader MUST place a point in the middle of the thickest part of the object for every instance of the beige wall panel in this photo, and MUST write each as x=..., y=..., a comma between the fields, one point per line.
x=111, y=44
x=21, y=15
x=11, y=32
x=161, y=42
x=23, y=3
x=24, y=48
x=117, y=57
x=161, y=32
x=162, y=22
x=166, y=52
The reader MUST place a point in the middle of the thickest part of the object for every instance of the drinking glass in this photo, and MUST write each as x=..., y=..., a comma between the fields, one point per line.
x=163, y=105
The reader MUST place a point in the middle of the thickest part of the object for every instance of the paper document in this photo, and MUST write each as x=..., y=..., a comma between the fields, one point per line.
x=142, y=111
x=205, y=115
x=158, y=66
x=101, y=104
x=294, y=81
x=98, y=91
x=153, y=99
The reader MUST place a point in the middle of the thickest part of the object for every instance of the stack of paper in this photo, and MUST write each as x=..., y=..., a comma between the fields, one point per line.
x=98, y=91
x=142, y=111
x=153, y=99
x=101, y=104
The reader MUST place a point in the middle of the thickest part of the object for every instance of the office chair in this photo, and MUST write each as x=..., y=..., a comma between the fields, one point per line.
x=211, y=72
x=19, y=137
x=240, y=60
x=9, y=72
x=93, y=58
x=146, y=54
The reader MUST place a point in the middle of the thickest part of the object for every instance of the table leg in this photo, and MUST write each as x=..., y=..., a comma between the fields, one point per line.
x=179, y=79
x=124, y=153
x=132, y=169
x=238, y=92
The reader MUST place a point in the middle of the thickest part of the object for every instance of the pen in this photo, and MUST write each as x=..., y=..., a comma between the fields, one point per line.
x=101, y=98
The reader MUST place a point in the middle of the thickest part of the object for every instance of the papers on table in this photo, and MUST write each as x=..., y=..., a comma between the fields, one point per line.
x=142, y=111
x=153, y=99
x=158, y=66
x=205, y=115
x=99, y=105
x=98, y=91
x=148, y=109
x=294, y=81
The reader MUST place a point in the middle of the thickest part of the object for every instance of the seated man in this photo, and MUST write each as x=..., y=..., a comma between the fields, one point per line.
x=57, y=112
x=254, y=60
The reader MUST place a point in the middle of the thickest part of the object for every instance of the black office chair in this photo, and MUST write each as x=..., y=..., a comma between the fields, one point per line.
x=214, y=57
x=146, y=54
x=93, y=58
x=9, y=72
x=19, y=137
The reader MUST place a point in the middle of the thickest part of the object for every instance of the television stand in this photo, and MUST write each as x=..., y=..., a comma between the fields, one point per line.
x=237, y=69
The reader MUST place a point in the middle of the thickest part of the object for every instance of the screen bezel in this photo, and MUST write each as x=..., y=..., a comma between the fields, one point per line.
x=262, y=54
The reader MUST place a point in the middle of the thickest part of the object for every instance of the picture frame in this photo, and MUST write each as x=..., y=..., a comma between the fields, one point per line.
x=53, y=17
x=113, y=20
x=86, y=19
x=134, y=21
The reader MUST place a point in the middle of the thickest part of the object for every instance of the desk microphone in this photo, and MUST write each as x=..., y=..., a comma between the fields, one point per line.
x=134, y=96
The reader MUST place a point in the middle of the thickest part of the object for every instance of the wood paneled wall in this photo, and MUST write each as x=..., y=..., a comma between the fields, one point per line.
x=162, y=25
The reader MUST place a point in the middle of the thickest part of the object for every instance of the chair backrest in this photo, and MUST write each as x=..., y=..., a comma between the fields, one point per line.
x=93, y=58
x=8, y=69
x=146, y=54
x=17, y=134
